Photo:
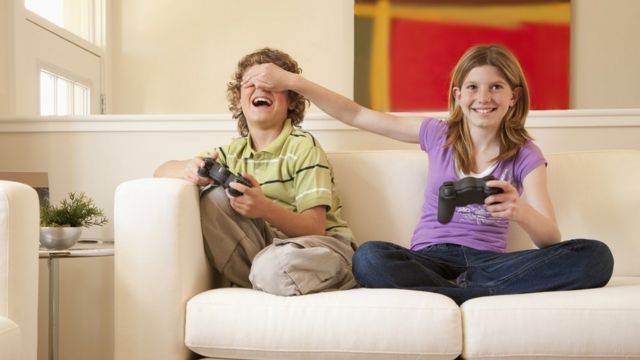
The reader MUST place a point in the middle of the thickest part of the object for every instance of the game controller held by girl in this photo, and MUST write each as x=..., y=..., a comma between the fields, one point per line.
x=468, y=190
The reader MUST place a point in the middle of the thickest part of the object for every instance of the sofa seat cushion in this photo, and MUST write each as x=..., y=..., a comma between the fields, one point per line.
x=594, y=323
x=9, y=339
x=356, y=324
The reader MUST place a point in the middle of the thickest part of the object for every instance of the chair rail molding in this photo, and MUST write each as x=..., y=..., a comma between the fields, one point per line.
x=574, y=118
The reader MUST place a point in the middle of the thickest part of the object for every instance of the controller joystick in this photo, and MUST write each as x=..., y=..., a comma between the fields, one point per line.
x=468, y=190
x=222, y=176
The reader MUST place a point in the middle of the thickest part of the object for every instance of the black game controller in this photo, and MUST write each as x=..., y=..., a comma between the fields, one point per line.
x=222, y=176
x=463, y=192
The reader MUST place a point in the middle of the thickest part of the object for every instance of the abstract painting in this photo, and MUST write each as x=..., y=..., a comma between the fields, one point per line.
x=405, y=50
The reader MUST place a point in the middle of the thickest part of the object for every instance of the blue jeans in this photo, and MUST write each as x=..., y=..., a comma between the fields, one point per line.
x=463, y=273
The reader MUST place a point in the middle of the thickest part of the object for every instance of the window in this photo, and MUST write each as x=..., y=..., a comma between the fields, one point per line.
x=61, y=96
x=81, y=17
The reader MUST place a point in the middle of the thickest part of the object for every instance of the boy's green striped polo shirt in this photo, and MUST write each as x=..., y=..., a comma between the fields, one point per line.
x=293, y=171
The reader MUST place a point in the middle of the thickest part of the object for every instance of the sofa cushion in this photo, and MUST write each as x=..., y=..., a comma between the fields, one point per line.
x=594, y=323
x=355, y=324
x=596, y=196
x=9, y=339
x=381, y=192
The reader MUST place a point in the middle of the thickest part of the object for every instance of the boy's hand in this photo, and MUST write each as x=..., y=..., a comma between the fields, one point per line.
x=268, y=77
x=252, y=204
x=190, y=172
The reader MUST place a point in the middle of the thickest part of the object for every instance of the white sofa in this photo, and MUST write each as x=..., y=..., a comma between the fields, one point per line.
x=165, y=307
x=19, y=229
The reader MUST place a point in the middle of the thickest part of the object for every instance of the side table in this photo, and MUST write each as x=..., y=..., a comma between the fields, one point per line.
x=84, y=248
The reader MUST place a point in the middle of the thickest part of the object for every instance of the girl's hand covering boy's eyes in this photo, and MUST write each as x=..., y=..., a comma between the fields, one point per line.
x=268, y=77
x=505, y=205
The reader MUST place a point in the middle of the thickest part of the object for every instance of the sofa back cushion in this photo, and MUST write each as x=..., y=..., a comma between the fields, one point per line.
x=381, y=192
x=595, y=194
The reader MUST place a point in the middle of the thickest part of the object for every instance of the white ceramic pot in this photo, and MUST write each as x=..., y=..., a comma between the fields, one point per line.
x=59, y=238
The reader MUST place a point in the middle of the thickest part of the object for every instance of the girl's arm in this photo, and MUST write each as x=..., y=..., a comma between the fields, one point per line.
x=535, y=214
x=273, y=78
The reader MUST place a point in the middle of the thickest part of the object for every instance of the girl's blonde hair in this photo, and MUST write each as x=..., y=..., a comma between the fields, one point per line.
x=512, y=134
x=297, y=103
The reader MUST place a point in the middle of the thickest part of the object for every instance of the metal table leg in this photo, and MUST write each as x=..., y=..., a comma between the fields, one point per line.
x=53, y=308
x=82, y=249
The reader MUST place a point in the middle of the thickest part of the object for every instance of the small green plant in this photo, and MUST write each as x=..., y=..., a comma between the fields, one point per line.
x=77, y=210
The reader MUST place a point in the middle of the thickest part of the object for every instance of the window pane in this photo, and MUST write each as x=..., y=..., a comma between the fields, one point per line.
x=81, y=17
x=64, y=97
x=60, y=96
x=52, y=10
x=47, y=93
x=80, y=99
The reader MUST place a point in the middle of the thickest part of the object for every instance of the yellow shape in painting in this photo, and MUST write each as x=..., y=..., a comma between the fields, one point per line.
x=379, y=71
x=488, y=15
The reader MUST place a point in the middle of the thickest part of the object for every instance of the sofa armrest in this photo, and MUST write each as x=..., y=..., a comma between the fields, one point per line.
x=160, y=264
x=19, y=232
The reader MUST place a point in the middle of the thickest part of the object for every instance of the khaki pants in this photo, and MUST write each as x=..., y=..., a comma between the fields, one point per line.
x=249, y=253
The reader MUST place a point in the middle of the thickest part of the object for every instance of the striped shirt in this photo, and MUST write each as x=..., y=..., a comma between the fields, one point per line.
x=293, y=171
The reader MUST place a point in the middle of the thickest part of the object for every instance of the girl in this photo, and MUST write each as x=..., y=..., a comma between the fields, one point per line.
x=484, y=135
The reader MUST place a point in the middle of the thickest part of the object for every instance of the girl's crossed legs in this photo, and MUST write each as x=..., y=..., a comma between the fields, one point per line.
x=463, y=273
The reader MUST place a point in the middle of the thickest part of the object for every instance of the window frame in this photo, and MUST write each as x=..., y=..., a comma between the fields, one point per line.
x=99, y=28
x=73, y=80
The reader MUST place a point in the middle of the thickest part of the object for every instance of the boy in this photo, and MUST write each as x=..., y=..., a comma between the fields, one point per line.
x=284, y=233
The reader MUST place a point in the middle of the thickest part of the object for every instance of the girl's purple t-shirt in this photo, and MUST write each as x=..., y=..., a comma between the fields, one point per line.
x=471, y=225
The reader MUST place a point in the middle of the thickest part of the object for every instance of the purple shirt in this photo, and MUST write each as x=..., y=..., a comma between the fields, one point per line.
x=471, y=225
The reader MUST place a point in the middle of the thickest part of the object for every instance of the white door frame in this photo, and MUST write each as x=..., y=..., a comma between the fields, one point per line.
x=36, y=43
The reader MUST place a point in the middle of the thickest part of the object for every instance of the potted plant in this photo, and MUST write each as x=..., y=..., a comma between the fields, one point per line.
x=61, y=226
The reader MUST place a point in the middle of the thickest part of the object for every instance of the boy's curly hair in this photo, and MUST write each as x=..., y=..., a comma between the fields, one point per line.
x=297, y=103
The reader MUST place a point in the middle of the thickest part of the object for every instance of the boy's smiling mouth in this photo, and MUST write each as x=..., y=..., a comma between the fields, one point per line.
x=260, y=101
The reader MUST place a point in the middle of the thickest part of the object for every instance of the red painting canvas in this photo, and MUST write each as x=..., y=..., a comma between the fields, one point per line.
x=406, y=49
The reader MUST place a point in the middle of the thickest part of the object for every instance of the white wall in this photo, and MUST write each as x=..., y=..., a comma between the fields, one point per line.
x=605, y=53
x=5, y=38
x=177, y=56
x=95, y=154
x=180, y=64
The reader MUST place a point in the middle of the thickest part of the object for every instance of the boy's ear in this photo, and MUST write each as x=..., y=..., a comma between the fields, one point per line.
x=290, y=103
